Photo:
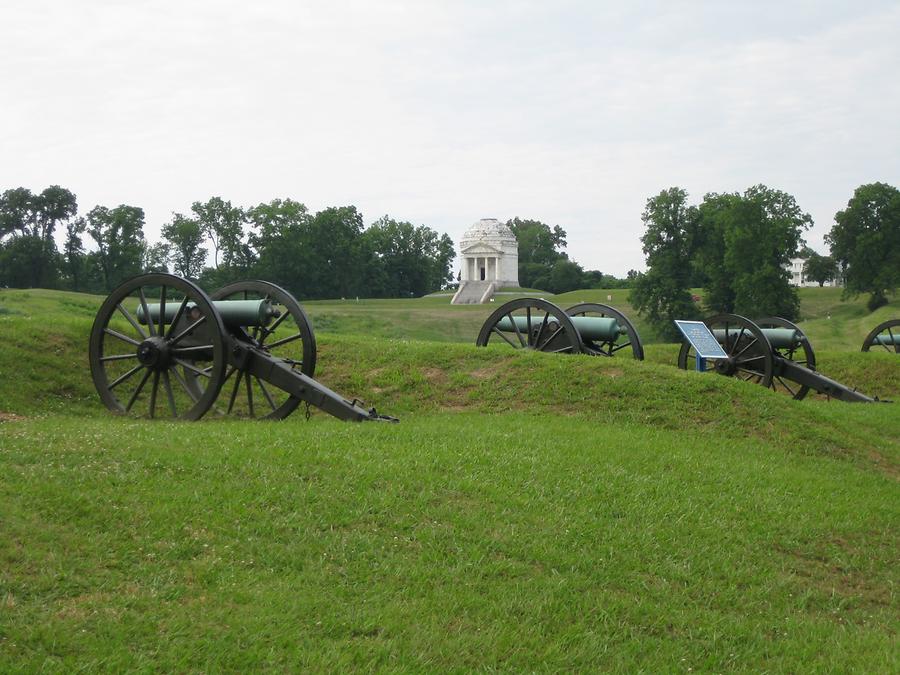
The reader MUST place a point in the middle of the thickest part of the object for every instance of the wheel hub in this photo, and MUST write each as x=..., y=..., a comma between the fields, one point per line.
x=154, y=353
x=726, y=366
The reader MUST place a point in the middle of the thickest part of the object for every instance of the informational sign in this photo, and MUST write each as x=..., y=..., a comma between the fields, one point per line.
x=701, y=339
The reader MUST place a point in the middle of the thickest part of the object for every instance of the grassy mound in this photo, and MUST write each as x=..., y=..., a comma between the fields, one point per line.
x=530, y=510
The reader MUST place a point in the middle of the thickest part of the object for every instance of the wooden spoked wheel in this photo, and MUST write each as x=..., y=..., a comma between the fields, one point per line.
x=289, y=337
x=749, y=354
x=801, y=354
x=884, y=336
x=531, y=323
x=608, y=347
x=149, y=332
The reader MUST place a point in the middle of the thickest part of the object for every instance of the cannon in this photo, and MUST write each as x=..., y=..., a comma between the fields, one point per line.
x=585, y=328
x=772, y=352
x=885, y=335
x=161, y=346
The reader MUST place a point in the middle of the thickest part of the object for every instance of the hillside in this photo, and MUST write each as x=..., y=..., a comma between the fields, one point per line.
x=530, y=510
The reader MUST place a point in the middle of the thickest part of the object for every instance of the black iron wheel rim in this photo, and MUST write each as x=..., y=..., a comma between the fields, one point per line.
x=539, y=334
x=123, y=387
x=801, y=354
x=249, y=396
x=892, y=328
x=609, y=348
x=749, y=350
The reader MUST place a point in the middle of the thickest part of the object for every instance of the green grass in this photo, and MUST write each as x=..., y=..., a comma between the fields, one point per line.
x=530, y=511
x=446, y=542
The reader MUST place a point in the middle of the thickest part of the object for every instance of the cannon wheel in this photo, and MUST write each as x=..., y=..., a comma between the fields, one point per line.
x=139, y=367
x=289, y=337
x=548, y=325
x=888, y=326
x=749, y=357
x=609, y=348
x=807, y=359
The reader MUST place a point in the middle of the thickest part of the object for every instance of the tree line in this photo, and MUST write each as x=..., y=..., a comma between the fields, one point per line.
x=736, y=246
x=328, y=254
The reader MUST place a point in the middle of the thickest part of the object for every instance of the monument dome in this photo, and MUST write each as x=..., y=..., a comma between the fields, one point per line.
x=490, y=260
x=487, y=230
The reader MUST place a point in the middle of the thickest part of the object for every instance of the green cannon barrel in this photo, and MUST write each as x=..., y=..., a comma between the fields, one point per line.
x=233, y=312
x=589, y=327
x=887, y=339
x=779, y=338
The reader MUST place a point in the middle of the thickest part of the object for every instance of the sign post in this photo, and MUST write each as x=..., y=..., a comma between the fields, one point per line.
x=702, y=340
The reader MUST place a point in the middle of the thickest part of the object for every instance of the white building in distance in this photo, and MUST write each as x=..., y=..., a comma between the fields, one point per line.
x=490, y=261
x=797, y=269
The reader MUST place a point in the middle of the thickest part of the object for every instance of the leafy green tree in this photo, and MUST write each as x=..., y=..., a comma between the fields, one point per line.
x=280, y=241
x=820, y=268
x=36, y=216
x=565, y=275
x=156, y=258
x=17, y=256
x=74, y=254
x=865, y=241
x=404, y=260
x=540, y=246
x=185, y=237
x=769, y=230
x=334, y=238
x=119, y=236
x=223, y=224
x=55, y=205
x=661, y=294
x=744, y=243
x=715, y=217
x=17, y=212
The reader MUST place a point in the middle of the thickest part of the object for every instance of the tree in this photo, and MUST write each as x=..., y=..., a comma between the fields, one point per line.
x=769, y=230
x=186, y=239
x=744, y=243
x=223, y=224
x=36, y=216
x=865, y=241
x=280, y=242
x=662, y=293
x=715, y=217
x=540, y=246
x=73, y=254
x=820, y=268
x=17, y=258
x=404, y=260
x=17, y=212
x=334, y=238
x=156, y=258
x=119, y=236
x=565, y=275
x=53, y=206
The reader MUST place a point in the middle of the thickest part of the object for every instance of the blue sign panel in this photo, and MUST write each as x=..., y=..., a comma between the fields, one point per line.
x=701, y=339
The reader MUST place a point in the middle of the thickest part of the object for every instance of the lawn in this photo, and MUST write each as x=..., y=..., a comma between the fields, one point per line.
x=530, y=511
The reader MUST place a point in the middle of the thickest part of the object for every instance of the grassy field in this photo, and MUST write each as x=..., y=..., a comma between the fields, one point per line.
x=530, y=511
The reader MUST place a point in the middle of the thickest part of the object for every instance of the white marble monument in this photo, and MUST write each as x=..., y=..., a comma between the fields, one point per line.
x=490, y=261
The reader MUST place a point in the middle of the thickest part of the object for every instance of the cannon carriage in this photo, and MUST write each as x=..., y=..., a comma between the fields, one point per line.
x=772, y=352
x=585, y=328
x=161, y=346
x=884, y=336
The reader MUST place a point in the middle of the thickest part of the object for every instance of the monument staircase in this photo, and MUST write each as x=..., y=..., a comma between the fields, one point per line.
x=474, y=293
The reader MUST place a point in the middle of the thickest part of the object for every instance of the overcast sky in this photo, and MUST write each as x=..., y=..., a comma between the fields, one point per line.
x=442, y=113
